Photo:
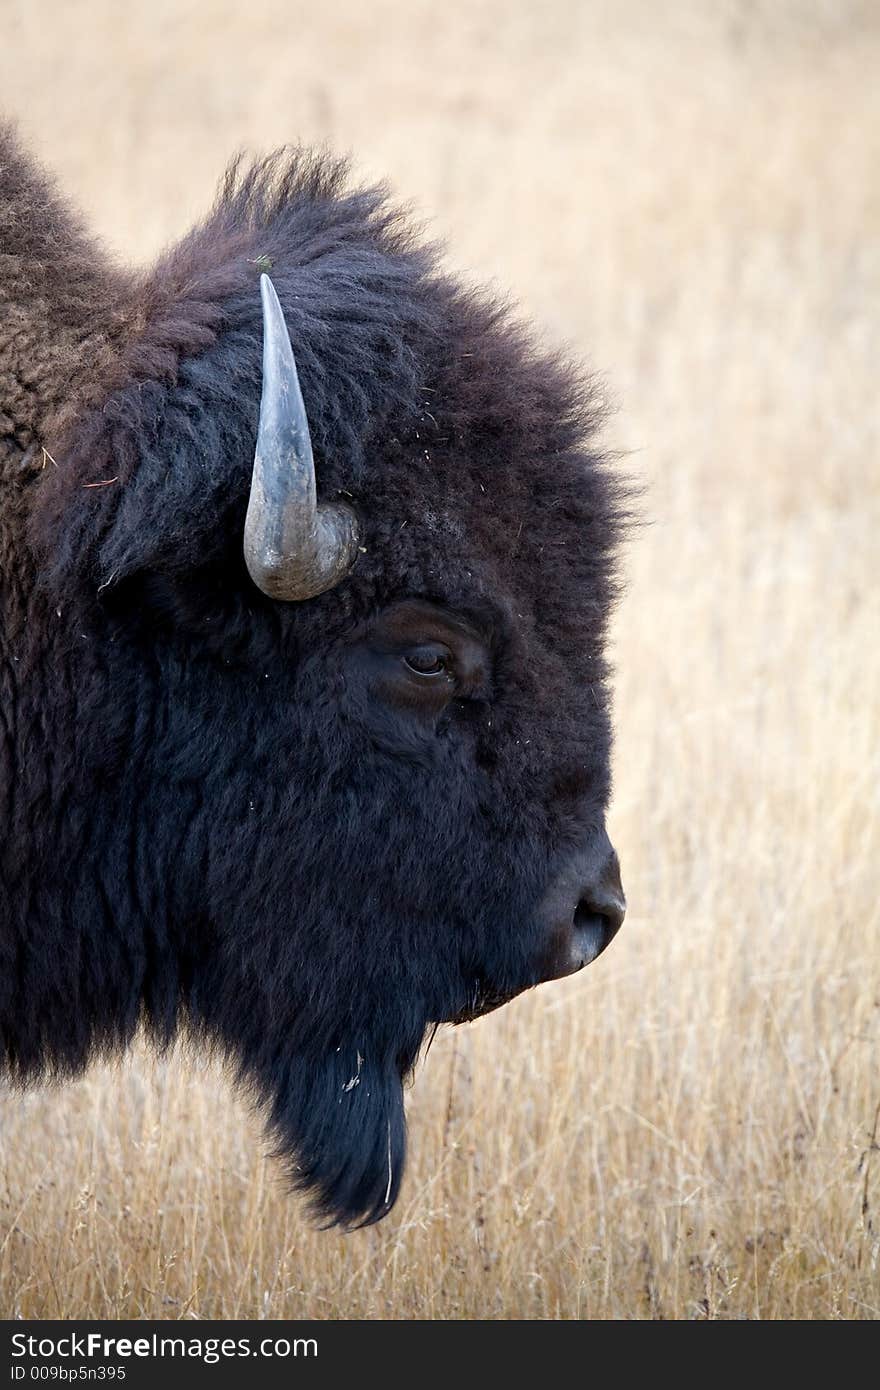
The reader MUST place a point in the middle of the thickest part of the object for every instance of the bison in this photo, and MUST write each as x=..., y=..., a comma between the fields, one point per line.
x=300, y=778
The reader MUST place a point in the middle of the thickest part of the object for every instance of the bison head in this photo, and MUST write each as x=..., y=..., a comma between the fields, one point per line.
x=321, y=806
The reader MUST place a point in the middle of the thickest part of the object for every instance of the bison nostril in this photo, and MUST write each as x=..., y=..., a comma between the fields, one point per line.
x=582, y=910
x=611, y=910
x=597, y=920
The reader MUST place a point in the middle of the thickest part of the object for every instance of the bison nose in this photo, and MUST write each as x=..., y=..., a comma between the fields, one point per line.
x=584, y=909
x=598, y=918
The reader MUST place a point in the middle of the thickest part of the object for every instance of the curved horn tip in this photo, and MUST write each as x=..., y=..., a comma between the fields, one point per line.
x=294, y=549
x=269, y=294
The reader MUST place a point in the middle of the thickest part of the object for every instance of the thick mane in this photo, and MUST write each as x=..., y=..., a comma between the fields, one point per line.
x=62, y=302
x=288, y=211
x=152, y=379
x=390, y=352
x=173, y=417
x=72, y=324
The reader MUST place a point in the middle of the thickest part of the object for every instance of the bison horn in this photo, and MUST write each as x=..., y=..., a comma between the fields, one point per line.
x=293, y=548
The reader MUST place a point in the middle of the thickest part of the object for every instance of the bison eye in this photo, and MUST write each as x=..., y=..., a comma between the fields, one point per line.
x=427, y=661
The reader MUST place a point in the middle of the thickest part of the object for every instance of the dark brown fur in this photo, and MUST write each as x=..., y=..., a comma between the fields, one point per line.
x=209, y=821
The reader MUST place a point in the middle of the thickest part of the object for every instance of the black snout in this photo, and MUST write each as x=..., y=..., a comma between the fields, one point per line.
x=598, y=918
x=584, y=910
x=579, y=915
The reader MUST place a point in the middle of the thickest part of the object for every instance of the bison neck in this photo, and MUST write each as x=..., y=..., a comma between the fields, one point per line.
x=53, y=911
x=62, y=323
x=85, y=951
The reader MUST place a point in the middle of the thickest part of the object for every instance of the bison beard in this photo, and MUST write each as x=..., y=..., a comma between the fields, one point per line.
x=289, y=829
x=340, y=1128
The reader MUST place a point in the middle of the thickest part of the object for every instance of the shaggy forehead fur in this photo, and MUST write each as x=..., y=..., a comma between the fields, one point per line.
x=464, y=447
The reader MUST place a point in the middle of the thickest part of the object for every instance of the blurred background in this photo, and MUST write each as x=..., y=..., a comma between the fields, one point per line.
x=688, y=195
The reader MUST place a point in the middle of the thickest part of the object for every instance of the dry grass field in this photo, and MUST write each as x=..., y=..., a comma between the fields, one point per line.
x=689, y=194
